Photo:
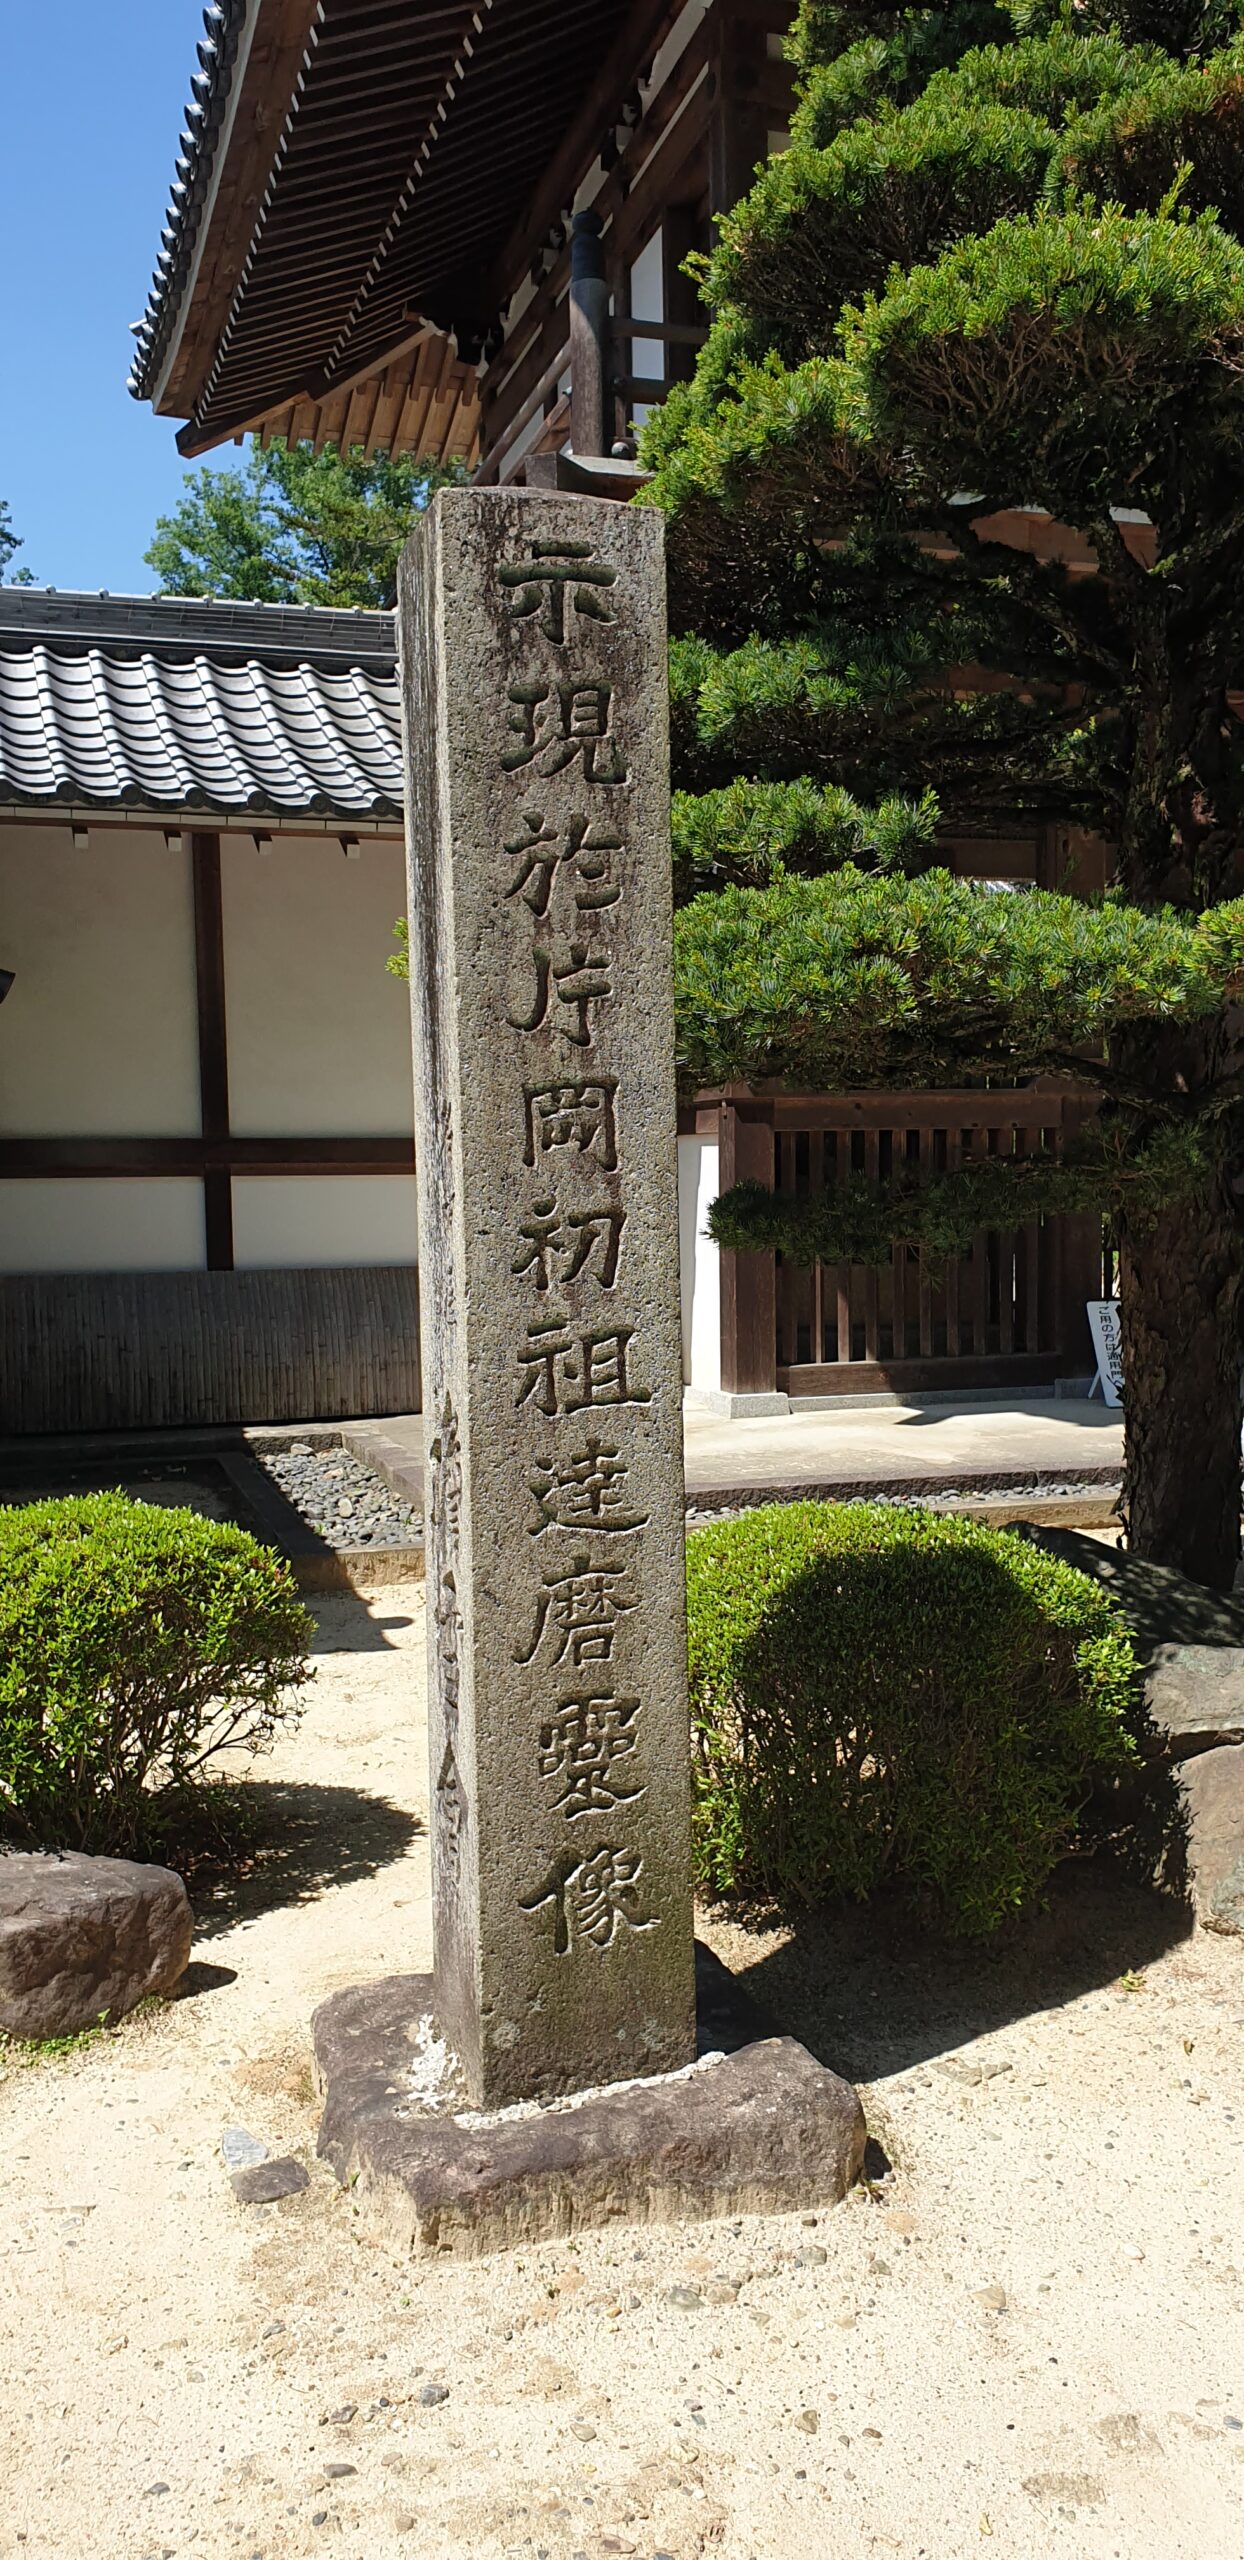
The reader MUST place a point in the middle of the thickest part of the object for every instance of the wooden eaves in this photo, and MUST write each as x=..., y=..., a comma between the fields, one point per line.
x=356, y=223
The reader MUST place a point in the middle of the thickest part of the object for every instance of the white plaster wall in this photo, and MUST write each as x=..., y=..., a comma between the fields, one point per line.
x=98, y=1037
x=648, y=303
x=329, y=1222
x=101, y=1226
x=319, y=1034
x=699, y=1182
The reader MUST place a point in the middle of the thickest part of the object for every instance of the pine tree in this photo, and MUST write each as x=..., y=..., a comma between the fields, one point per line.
x=1000, y=267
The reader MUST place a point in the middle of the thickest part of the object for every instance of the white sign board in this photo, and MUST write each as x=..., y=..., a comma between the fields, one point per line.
x=1103, y=1316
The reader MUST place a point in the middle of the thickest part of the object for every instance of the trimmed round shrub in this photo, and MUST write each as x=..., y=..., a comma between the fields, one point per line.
x=137, y=1643
x=883, y=1696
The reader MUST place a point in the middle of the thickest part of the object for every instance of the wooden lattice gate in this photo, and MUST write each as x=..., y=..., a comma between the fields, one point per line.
x=1008, y=1312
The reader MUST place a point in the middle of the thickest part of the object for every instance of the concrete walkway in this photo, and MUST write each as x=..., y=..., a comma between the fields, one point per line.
x=997, y=1447
x=900, y=1446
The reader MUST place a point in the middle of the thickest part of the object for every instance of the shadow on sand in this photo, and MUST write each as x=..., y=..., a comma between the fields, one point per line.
x=350, y=1622
x=871, y=1994
x=302, y=1840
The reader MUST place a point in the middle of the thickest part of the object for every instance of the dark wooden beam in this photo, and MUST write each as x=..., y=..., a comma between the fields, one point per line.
x=748, y=1280
x=644, y=32
x=321, y=1155
x=495, y=454
x=630, y=204
x=640, y=390
x=672, y=172
x=876, y=1377
x=209, y=970
x=123, y=1159
x=669, y=333
x=739, y=123
x=685, y=325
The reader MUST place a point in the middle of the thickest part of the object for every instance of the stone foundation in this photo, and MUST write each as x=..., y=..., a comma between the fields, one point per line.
x=755, y=2125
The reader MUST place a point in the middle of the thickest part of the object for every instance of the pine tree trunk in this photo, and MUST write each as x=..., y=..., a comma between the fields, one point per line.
x=1179, y=1287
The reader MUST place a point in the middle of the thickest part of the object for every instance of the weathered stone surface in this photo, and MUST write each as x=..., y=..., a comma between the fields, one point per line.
x=1213, y=1785
x=1195, y=1695
x=1190, y=1642
x=85, y=1938
x=762, y=2129
x=266, y=2181
x=533, y=647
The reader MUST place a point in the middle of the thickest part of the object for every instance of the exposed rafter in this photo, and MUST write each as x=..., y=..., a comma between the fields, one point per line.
x=350, y=173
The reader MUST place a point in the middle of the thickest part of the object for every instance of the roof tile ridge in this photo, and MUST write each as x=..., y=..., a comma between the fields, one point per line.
x=223, y=22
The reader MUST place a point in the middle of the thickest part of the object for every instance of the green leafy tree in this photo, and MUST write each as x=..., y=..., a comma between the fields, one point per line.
x=1000, y=267
x=295, y=527
x=9, y=543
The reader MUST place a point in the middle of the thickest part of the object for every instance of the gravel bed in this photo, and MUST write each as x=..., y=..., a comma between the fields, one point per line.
x=931, y=1496
x=347, y=1503
x=350, y=1506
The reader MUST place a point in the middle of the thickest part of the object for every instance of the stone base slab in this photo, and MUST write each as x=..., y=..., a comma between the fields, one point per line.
x=764, y=2128
x=730, y=1407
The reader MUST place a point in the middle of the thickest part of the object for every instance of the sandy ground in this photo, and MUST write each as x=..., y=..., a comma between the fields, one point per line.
x=1028, y=2337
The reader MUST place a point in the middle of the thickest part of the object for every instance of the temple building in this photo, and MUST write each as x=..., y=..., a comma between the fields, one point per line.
x=456, y=232
x=206, y=1163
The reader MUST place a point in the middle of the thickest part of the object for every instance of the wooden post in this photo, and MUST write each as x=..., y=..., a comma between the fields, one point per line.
x=1078, y=1271
x=209, y=965
x=748, y=1280
x=739, y=131
x=1079, y=1279
x=589, y=335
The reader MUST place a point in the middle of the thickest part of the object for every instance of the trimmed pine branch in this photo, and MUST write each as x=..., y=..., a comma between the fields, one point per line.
x=856, y=980
x=855, y=1221
x=1030, y=423
x=1106, y=1172
x=748, y=832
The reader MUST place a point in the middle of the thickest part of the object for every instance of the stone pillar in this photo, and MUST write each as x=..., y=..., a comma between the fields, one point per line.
x=533, y=651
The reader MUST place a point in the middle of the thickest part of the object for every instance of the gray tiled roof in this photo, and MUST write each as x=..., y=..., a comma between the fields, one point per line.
x=223, y=22
x=172, y=703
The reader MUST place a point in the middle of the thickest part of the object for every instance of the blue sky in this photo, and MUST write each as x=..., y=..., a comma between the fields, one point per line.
x=93, y=99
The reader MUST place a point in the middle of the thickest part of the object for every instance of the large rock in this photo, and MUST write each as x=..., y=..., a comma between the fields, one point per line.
x=1195, y=1695
x=1186, y=1805
x=1189, y=1641
x=1213, y=1784
x=85, y=1938
x=1164, y=1609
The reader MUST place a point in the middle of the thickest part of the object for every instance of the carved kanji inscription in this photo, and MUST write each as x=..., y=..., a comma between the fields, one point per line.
x=534, y=659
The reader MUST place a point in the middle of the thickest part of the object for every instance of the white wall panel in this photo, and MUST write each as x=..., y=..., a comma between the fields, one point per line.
x=319, y=1034
x=699, y=1181
x=303, y=1222
x=86, y=1225
x=648, y=303
x=99, y=1035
